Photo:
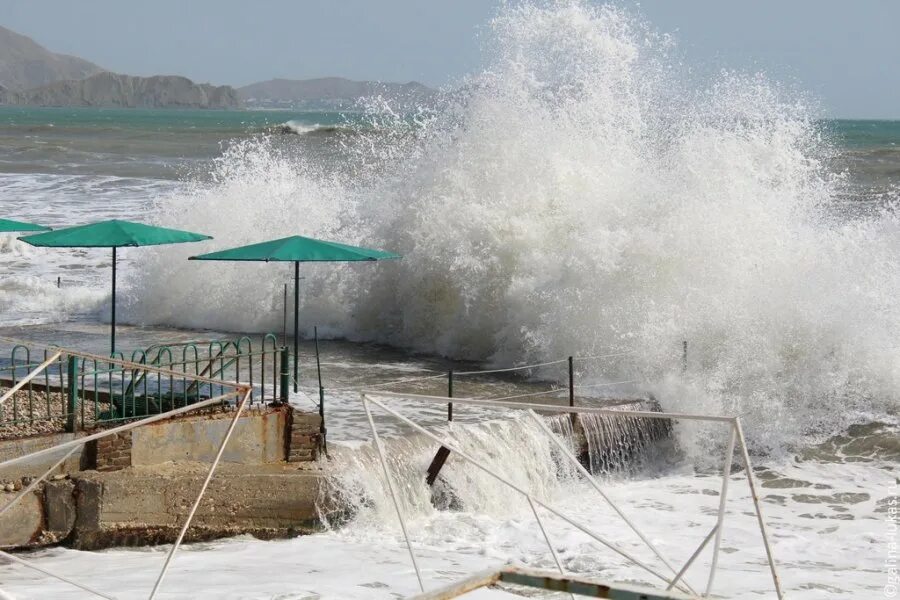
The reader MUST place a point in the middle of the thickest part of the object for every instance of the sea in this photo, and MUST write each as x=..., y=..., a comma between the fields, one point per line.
x=586, y=192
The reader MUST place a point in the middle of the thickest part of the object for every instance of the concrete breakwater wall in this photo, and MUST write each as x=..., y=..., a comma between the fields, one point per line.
x=137, y=487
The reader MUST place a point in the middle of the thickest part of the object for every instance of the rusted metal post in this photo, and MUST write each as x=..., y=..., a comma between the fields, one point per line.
x=450, y=394
x=322, y=429
x=71, y=393
x=571, y=381
x=440, y=457
x=285, y=374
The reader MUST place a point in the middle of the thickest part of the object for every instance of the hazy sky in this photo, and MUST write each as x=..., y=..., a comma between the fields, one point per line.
x=845, y=53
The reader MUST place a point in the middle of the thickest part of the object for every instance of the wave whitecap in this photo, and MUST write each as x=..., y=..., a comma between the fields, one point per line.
x=583, y=192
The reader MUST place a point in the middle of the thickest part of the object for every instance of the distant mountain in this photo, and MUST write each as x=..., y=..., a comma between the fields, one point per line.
x=125, y=91
x=25, y=64
x=329, y=92
x=32, y=75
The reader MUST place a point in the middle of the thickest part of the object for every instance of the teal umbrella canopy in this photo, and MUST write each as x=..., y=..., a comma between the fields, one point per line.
x=9, y=226
x=112, y=234
x=298, y=249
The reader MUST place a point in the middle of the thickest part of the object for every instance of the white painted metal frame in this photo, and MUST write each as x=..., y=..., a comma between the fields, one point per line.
x=736, y=436
x=238, y=390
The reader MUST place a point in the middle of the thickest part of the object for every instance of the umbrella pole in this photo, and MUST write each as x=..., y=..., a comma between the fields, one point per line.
x=296, y=326
x=112, y=334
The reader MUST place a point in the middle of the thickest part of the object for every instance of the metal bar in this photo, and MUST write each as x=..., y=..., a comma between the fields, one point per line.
x=501, y=479
x=547, y=580
x=450, y=394
x=693, y=557
x=25, y=563
x=571, y=381
x=591, y=480
x=540, y=523
x=285, y=375
x=36, y=482
x=121, y=428
x=296, y=326
x=550, y=407
x=112, y=333
x=460, y=588
x=72, y=394
x=720, y=520
x=190, y=517
x=390, y=484
x=758, y=508
x=322, y=429
x=9, y=393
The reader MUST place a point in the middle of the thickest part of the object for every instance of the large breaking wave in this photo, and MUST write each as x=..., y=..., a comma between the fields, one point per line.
x=584, y=192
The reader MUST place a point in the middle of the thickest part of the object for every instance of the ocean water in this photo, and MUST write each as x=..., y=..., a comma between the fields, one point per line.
x=584, y=193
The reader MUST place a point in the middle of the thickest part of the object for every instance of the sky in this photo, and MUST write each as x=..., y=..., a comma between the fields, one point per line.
x=844, y=54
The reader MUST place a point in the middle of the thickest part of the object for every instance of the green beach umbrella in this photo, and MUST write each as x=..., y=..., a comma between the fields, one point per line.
x=112, y=234
x=298, y=249
x=9, y=226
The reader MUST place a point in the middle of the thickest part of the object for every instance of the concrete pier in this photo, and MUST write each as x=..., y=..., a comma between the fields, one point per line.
x=136, y=488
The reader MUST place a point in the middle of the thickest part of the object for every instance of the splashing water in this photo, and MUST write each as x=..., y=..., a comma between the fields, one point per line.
x=584, y=191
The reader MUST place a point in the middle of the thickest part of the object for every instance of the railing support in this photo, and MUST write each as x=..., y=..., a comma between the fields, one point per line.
x=71, y=393
x=450, y=394
x=285, y=374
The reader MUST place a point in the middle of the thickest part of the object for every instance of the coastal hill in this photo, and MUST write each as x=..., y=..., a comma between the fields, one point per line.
x=125, y=91
x=25, y=64
x=32, y=75
x=329, y=93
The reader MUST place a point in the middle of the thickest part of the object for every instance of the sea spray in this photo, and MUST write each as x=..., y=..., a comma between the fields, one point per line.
x=584, y=192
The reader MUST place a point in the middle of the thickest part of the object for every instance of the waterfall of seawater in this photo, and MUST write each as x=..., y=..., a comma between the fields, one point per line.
x=517, y=448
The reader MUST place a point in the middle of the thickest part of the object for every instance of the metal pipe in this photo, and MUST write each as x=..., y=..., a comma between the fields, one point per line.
x=190, y=517
x=323, y=431
x=552, y=407
x=35, y=482
x=726, y=474
x=390, y=484
x=758, y=508
x=450, y=394
x=34, y=373
x=25, y=563
x=296, y=326
x=120, y=428
x=693, y=557
x=571, y=381
x=112, y=334
x=540, y=523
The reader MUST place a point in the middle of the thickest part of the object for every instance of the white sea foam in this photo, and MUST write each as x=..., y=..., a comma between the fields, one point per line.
x=583, y=191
